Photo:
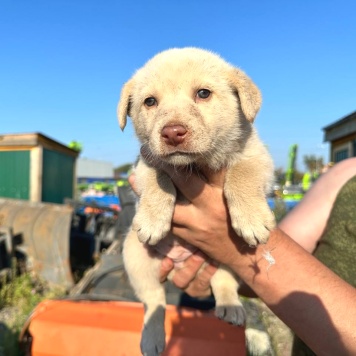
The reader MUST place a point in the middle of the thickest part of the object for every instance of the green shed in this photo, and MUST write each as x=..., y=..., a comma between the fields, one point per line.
x=37, y=168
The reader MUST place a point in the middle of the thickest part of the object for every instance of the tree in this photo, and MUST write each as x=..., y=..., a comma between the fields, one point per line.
x=279, y=175
x=76, y=146
x=313, y=163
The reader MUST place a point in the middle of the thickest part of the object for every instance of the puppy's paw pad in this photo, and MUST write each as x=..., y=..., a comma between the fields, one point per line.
x=232, y=314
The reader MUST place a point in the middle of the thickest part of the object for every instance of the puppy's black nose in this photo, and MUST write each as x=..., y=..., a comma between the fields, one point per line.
x=173, y=135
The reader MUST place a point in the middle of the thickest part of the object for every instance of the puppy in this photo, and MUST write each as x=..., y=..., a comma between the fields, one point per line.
x=192, y=109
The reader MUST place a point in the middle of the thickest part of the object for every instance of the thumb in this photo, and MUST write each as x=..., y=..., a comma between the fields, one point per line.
x=166, y=266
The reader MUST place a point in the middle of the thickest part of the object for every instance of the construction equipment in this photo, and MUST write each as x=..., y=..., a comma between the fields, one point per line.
x=291, y=165
x=54, y=240
x=39, y=234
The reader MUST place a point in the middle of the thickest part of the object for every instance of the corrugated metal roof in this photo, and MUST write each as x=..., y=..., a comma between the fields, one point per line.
x=33, y=140
x=341, y=121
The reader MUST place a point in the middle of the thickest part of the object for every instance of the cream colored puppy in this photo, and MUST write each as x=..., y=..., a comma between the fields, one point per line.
x=192, y=109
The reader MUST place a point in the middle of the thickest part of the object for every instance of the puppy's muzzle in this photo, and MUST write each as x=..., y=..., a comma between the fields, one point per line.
x=173, y=135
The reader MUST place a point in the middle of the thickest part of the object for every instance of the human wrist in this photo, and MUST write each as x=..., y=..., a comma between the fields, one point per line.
x=251, y=262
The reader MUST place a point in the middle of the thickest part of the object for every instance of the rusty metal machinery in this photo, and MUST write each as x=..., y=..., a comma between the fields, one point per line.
x=40, y=231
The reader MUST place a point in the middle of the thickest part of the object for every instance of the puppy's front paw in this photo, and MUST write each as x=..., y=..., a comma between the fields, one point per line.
x=151, y=229
x=254, y=227
x=232, y=314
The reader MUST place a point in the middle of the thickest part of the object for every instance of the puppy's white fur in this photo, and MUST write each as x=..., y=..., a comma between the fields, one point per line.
x=218, y=132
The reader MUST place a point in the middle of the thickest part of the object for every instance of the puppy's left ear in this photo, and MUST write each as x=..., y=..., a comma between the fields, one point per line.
x=249, y=94
x=123, y=108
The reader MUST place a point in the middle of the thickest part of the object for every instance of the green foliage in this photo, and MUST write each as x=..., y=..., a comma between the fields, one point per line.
x=83, y=187
x=298, y=176
x=280, y=209
x=313, y=163
x=18, y=297
x=104, y=187
x=280, y=176
x=76, y=146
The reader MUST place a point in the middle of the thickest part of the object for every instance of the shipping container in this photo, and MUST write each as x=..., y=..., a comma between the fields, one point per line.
x=37, y=168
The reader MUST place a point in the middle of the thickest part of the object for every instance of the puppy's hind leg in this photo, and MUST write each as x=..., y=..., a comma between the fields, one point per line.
x=228, y=305
x=143, y=272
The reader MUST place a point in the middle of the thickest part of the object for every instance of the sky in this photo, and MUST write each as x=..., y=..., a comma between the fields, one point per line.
x=63, y=64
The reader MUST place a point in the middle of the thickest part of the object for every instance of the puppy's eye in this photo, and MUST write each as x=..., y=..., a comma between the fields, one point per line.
x=151, y=101
x=203, y=93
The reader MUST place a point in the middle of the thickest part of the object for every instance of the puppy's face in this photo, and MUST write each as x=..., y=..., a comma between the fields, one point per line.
x=189, y=105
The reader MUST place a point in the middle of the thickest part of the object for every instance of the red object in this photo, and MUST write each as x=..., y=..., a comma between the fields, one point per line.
x=91, y=328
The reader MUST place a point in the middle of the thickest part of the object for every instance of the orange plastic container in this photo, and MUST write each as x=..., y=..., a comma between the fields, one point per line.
x=91, y=328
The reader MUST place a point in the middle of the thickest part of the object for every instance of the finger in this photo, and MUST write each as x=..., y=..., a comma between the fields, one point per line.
x=166, y=266
x=132, y=181
x=186, y=274
x=203, y=278
x=208, y=271
x=201, y=285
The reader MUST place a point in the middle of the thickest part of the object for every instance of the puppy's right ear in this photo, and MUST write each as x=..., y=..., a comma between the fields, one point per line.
x=123, y=108
x=249, y=94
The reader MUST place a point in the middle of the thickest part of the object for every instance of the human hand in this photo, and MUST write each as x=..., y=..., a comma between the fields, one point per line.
x=194, y=277
x=205, y=221
x=132, y=181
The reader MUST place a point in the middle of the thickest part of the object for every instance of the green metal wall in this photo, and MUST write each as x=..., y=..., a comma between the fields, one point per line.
x=15, y=174
x=57, y=177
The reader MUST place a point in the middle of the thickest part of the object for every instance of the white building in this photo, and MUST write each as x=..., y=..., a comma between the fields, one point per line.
x=90, y=170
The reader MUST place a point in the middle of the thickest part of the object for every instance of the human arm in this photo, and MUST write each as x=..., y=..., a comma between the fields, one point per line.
x=316, y=304
x=305, y=224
